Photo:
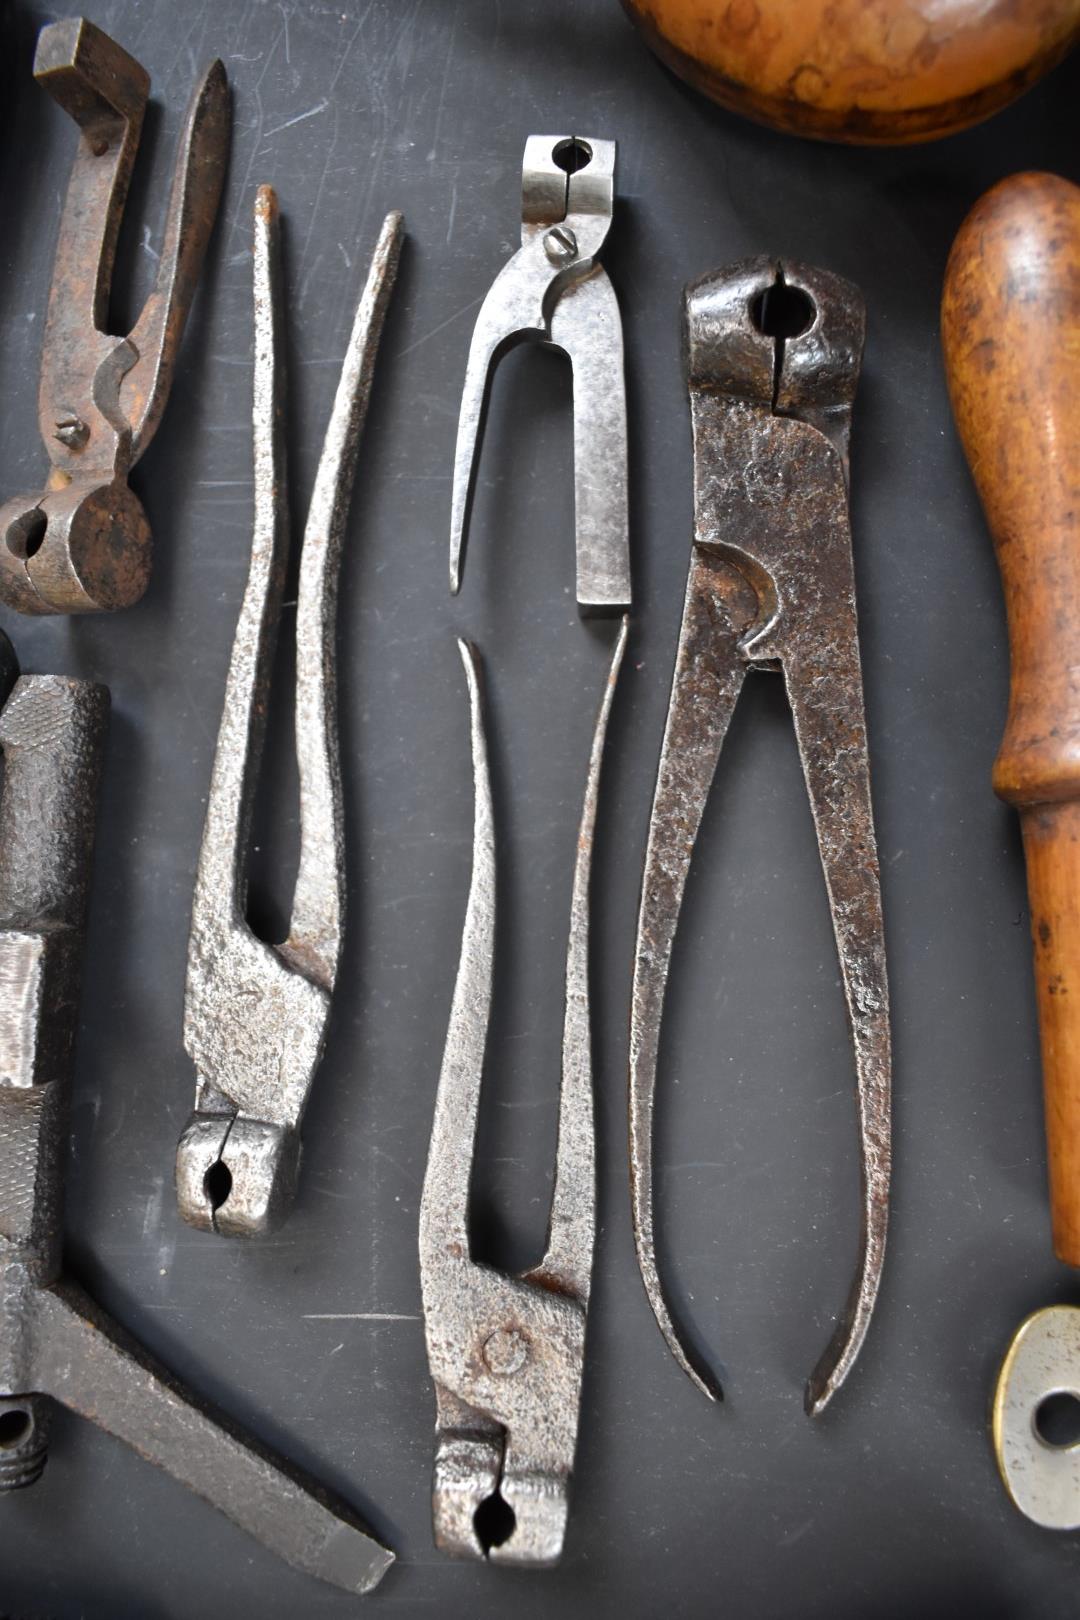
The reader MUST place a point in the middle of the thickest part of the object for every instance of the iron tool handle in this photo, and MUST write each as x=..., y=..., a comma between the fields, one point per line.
x=52, y=734
x=1011, y=336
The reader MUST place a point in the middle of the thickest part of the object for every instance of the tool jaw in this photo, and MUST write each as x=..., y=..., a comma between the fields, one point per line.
x=511, y=1355
x=236, y=1176
x=801, y=360
x=254, y=1027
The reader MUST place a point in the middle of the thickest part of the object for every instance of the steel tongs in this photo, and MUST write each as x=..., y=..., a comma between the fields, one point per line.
x=771, y=587
x=83, y=544
x=255, y=1014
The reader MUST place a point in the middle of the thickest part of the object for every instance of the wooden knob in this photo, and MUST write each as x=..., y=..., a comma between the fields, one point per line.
x=1010, y=326
x=844, y=70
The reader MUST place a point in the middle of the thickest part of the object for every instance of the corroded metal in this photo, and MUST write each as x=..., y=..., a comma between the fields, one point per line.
x=772, y=587
x=507, y=1352
x=56, y=1344
x=255, y=1014
x=83, y=544
x=554, y=291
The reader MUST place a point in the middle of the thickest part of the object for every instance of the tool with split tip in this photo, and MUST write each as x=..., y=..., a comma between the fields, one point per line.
x=56, y=1344
x=83, y=544
x=1010, y=324
x=774, y=353
x=507, y=1352
x=554, y=291
x=255, y=1014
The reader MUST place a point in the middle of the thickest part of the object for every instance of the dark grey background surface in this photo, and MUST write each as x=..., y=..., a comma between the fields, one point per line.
x=889, y=1506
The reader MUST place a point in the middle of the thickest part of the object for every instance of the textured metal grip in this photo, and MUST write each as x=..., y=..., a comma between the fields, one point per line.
x=52, y=733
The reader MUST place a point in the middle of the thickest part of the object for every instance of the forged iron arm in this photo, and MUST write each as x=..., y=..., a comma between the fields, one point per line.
x=255, y=1014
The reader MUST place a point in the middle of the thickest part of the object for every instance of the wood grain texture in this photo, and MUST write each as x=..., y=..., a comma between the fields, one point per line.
x=861, y=71
x=1011, y=336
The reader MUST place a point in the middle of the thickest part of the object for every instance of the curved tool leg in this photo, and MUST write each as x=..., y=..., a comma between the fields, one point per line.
x=827, y=707
x=709, y=672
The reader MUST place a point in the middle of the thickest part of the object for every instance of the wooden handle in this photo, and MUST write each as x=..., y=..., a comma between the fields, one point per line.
x=1010, y=326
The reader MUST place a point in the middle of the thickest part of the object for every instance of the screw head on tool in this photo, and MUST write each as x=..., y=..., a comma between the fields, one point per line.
x=560, y=244
x=506, y=1351
x=72, y=431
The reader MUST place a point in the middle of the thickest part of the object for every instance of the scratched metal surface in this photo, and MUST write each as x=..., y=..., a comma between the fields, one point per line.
x=890, y=1506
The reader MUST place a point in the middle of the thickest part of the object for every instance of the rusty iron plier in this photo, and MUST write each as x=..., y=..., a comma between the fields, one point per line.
x=56, y=1344
x=773, y=353
x=83, y=544
x=506, y=1352
x=255, y=1014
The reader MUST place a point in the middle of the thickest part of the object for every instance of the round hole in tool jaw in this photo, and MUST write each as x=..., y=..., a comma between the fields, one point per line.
x=217, y=1183
x=571, y=156
x=494, y=1522
x=15, y=1425
x=1057, y=1420
x=782, y=311
x=24, y=537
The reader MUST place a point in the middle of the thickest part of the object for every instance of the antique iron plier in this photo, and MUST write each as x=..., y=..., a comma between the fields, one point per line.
x=255, y=1014
x=773, y=352
x=554, y=291
x=507, y=1352
x=83, y=544
x=56, y=1343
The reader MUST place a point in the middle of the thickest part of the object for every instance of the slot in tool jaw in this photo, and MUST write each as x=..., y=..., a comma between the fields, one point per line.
x=771, y=587
x=56, y=1344
x=255, y=1014
x=83, y=545
x=554, y=291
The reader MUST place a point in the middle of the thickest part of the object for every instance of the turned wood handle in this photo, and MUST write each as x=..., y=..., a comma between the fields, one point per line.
x=1010, y=325
x=846, y=70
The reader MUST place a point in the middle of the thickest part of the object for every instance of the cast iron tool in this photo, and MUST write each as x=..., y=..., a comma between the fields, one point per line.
x=771, y=587
x=83, y=544
x=55, y=1342
x=1010, y=324
x=554, y=291
x=507, y=1352
x=255, y=1014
